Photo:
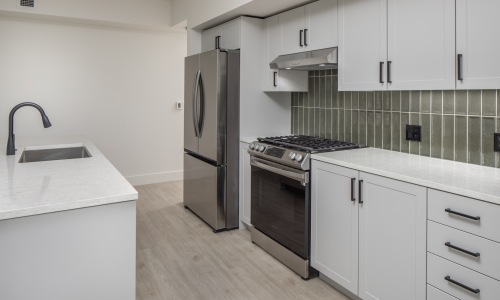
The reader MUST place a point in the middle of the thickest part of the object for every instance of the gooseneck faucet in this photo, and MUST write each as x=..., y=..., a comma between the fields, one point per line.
x=11, y=147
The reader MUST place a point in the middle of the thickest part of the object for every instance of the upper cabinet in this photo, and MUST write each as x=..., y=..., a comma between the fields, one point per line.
x=279, y=80
x=362, y=45
x=307, y=28
x=396, y=44
x=224, y=36
x=478, y=47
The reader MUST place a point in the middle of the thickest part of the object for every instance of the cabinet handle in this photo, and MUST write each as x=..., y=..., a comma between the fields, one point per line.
x=300, y=38
x=462, y=215
x=360, y=192
x=389, y=80
x=217, y=42
x=448, y=244
x=353, y=182
x=459, y=67
x=274, y=79
x=475, y=291
x=381, y=72
x=305, y=37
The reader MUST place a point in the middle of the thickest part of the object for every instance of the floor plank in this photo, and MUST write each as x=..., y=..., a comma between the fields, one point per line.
x=179, y=257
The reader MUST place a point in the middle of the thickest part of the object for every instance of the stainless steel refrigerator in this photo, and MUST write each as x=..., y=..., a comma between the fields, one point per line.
x=211, y=137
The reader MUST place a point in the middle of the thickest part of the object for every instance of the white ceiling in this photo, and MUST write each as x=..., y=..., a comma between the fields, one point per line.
x=255, y=8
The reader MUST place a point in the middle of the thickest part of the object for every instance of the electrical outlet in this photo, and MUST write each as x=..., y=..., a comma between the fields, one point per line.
x=414, y=133
x=179, y=105
x=497, y=142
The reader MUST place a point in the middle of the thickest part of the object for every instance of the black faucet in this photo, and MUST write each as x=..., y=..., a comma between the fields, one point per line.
x=11, y=148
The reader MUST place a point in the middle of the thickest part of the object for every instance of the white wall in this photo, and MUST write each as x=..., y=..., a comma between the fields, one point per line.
x=145, y=13
x=116, y=86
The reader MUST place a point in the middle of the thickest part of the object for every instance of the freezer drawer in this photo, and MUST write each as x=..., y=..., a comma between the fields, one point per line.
x=205, y=191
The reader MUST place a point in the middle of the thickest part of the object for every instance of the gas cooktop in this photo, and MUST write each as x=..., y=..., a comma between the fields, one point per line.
x=309, y=144
x=295, y=150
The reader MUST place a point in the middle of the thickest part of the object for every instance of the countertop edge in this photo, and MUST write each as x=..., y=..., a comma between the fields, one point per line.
x=61, y=207
x=412, y=180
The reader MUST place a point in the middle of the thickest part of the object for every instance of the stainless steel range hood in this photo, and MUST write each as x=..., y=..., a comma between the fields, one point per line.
x=311, y=60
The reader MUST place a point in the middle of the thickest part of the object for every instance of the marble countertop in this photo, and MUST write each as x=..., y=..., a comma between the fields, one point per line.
x=470, y=180
x=248, y=140
x=43, y=187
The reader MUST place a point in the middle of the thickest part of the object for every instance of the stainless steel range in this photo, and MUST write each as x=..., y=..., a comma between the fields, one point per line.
x=280, y=193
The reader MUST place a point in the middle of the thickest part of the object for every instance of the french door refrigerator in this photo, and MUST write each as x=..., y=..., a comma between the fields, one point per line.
x=211, y=137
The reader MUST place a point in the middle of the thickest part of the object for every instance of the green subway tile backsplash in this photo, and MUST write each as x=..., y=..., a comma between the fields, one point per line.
x=456, y=125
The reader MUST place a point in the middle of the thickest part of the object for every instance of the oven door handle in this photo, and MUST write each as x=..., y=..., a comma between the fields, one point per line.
x=303, y=177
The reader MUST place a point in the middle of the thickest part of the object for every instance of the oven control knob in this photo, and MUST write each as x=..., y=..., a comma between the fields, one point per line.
x=262, y=148
x=292, y=155
x=299, y=157
x=252, y=146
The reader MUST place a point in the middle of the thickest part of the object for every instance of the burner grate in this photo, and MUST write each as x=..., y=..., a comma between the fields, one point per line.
x=308, y=143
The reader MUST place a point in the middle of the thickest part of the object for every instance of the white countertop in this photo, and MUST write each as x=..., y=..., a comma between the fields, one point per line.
x=470, y=180
x=248, y=140
x=43, y=187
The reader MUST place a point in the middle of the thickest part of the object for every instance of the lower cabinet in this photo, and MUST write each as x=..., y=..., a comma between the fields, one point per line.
x=245, y=182
x=368, y=233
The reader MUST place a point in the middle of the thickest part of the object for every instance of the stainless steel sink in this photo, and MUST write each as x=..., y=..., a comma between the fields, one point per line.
x=54, y=154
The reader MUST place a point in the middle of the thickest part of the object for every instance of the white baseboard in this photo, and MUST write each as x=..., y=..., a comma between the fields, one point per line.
x=155, y=178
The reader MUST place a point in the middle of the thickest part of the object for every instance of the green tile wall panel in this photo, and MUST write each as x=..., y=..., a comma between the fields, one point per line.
x=456, y=125
x=461, y=102
x=396, y=131
x=386, y=130
x=396, y=101
x=489, y=102
x=449, y=137
x=425, y=101
x=488, y=129
x=425, y=145
x=474, y=140
x=437, y=102
x=474, y=99
x=461, y=138
x=436, y=135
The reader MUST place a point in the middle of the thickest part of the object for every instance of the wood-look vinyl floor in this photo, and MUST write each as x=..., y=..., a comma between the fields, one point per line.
x=179, y=257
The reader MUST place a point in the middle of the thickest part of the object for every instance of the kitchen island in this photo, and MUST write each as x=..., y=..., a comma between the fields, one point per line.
x=67, y=227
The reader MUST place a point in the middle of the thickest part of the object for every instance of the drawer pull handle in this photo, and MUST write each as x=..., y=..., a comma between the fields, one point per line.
x=475, y=291
x=353, y=182
x=448, y=244
x=462, y=215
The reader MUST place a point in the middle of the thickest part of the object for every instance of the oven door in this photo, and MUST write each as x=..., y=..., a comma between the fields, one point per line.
x=281, y=204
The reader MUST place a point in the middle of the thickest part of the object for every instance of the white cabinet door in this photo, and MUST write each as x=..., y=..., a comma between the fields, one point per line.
x=208, y=38
x=273, y=39
x=362, y=45
x=321, y=25
x=230, y=35
x=421, y=44
x=245, y=183
x=285, y=81
x=334, y=224
x=392, y=239
x=279, y=80
x=292, y=24
x=478, y=26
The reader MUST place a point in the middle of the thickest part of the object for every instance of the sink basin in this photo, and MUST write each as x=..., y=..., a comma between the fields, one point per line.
x=54, y=154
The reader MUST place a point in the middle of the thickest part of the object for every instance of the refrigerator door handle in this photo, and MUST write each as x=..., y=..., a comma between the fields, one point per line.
x=201, y=117
x=195, y=103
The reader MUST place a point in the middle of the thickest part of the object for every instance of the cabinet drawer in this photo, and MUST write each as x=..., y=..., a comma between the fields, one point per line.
x=438, y=268
x=488, y=213
x=435, y=294
x=488, y=261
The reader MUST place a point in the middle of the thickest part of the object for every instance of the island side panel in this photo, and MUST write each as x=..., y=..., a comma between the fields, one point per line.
x=78, y=254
